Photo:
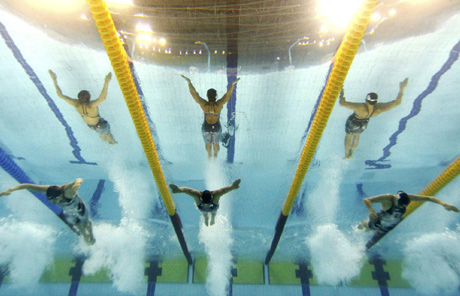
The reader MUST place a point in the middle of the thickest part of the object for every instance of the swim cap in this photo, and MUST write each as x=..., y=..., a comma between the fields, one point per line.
x=403, y=198
x=372, y=98
x=211, y=94
x=53, y=191
x=84, y=94
x=206, y=197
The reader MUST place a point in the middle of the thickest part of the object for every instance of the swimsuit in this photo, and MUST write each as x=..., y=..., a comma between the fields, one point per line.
x=355, y=125
x=211, y=132
x=74, y=209
x=387, y=220
x=208, y=208
x=102, y=127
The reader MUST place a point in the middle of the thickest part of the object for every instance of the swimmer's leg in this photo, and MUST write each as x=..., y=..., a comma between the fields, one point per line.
x=216, y=149
x=354, y=144
x=86, y=231
x=206, y=219
x=209, y=149
x=348, y=138
x=213, y=218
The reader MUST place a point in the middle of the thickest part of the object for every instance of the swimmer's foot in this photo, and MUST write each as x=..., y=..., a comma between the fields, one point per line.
x=212, y=221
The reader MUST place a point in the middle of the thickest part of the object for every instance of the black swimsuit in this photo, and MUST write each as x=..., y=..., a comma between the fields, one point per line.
x=357, y=125
x=387, y=220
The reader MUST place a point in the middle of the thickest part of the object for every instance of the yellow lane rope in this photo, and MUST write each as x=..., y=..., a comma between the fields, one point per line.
x=120, y=65
x=434, y=187
x=343, y=59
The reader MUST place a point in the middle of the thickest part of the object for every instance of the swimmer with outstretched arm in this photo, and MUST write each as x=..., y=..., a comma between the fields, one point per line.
x=75, y=210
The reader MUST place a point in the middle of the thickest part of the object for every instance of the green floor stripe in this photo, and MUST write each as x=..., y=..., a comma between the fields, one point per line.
x=200, y=270
x=285, y=273
x=173, y=271
x=395, y=269
x=58, y=272
x=249, y=273
x=365, y=278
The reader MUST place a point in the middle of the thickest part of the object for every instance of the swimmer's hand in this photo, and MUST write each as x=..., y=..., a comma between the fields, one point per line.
x=447, y=207
x=236, y=81
x=77, y=184
x=7, y=192
x=341, y=95
x=174, y=188
x=188, y=80
x=373, y=216
x=108, y=77
x=236, y=184
x=52, y=74
x=403, y=84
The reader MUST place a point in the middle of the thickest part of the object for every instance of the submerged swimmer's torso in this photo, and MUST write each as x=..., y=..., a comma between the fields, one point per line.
x=211, y=112
x=90, y=115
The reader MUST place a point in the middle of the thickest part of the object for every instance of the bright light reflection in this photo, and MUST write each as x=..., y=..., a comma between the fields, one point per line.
x=123, y=2
x=375, y=16
x=84, y=17
x=143, y=28
x=162, y=41
x=392, y=12
x=338, y=12
x=57, y=6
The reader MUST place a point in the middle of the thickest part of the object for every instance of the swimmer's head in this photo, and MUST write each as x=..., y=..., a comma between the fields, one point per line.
x=206, y=197
x=371, y=98
x=84, y=96
x=212, y=95
x=53, y=191
x=403, y=198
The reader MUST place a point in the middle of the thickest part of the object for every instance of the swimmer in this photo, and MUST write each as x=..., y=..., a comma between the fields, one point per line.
x=75, y=211
x=89, y=110
x=393, y=209
x=206, y=201
x=211, y=128
x=357, y=122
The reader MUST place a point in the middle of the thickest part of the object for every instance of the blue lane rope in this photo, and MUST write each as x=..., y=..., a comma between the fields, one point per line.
x=17, y=173
x=417, y=106
x=34, y=78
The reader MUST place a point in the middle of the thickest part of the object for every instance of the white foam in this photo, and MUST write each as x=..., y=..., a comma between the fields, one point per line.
x=27, y=249
x=334, y=257
x=218, y=241
x=432, y=263
x=217, y=238
x=121, y=251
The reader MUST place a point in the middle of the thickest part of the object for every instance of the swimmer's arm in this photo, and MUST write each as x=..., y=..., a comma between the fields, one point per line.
x=384, y=199
x=382, y=107
x=190, y=191
x=218, y=193
x=103, y=94
x=69, y=100
x=344, y=103
x=31, y=187
x=433, y=200
x=228, y=95
x=194, y=93
x=70, y=189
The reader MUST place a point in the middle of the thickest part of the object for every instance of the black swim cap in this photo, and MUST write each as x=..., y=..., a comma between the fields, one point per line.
x=403, y=198
x=84, y=94
x=53, y=191
x=372, y=98
x=211, y=94
x=206, y=197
